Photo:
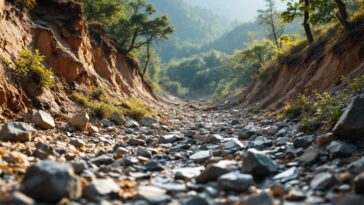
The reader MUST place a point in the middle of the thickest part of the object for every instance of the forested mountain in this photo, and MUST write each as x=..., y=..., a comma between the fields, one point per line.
x=194, y=27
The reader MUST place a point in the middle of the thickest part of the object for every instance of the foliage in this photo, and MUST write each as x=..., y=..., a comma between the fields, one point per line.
x=175, y=88
x=107, y=12
x=30, y=66
x=103, y=106
x=138, y=29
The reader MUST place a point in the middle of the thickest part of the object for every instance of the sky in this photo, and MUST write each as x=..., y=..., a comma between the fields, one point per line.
x=241, y=10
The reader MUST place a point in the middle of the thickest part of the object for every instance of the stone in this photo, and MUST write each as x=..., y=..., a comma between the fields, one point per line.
x=232, y=145
x=351, y=122
x=269, y=130
x=359, y=184
x=235, y=181
x=50, y=181
x=18, y=198
x=201, y=156
x=295, y=195
x=144, y=152
x=102, y=160
x=341, y=149
x=78, y=143
x=261, y=199
x=212, y=138
x=80, y=121
x=153, y=195
x=349, y=199
x=153, y=166
x=311, y=155
x=118, y=118
x=107, y=123
x=16, y=132
x=261, y=142
x=187, y=172
x=136, y=142
x=79, y=166
x=212, y=173
x=170, y=138
x=43, y=120
x=290, y=173
x=281, y=141
x=303, y=141
x=357, y=166
x=149, y=121
x=258, y=164
x=323, y=181
x=196, y=200
x=131, y=124
x=101, y=188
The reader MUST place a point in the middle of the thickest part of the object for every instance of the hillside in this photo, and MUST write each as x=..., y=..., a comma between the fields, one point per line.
x=335, y=55
x=81, y=57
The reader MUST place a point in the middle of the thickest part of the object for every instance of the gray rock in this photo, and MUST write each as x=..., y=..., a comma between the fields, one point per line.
x=80, y=121
x=170, y=138
x=102, y=159
x=107, y=123
x=323, y=181
x=149, y=121
x=201, y=156
x=78, y=143
x=290, y=173
x=212, y=173
x=351, y=122
x=232, y=145
x=18, y=198
x=16, y=132
x=50, y=181
x=282, y=141
x=153, y=166
x=235, y=181
x=261, y=142
x=118, y=118
x=43, y=120
x=359, y=184
x=79, y=166
x=211, y=138
x=136, y=142
x=197, y=200
x=269, y=130
x=357, y=166
x=131, y=124
x=261, y=199
x=153, y=195
x=341, y=149
x=303, y=141
x=311, y=155
x=258, y=164
x=141, y=151
x=100, y=188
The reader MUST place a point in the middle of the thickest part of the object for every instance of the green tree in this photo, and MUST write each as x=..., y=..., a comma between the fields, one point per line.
x=139, y=29
x=107, y=12
x=301, y=8
x=270, y=18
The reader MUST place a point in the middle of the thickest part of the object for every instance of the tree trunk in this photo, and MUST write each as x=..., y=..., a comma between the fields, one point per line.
x=147, y=60
x=343, y=13
x=272, y=24
x=306, y=24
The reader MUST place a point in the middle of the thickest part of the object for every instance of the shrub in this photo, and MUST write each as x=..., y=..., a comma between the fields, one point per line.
x=103, y=108
x=30, y=67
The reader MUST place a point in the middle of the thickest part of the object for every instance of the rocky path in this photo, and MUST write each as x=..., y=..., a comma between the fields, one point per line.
x=197, y=157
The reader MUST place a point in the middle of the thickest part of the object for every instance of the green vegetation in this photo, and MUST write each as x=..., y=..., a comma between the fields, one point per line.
x=102, y=107
x=30, y=67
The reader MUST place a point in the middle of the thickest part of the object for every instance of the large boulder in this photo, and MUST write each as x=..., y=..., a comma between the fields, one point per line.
x=351, y=122
x=50, y=181
x=16, y=132
x=43, y=120
x=80, y=121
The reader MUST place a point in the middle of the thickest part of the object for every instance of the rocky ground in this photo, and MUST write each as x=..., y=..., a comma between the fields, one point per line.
x=197, y=157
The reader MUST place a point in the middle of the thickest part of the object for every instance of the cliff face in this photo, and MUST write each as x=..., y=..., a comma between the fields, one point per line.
x=321, y=67
x=81, y=57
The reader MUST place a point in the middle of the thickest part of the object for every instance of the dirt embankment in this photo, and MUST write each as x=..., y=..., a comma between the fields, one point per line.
x=322, y=66
x=80, y=55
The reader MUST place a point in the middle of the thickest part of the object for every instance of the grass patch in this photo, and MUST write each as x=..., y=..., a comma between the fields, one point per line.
x=320, y=111
x=102, y=107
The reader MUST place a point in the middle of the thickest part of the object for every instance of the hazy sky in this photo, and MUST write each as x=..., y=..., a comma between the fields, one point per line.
x=242, y=10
